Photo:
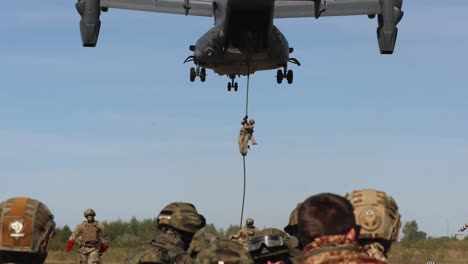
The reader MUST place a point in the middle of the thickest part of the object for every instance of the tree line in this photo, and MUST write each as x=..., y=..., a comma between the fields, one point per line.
x=128, y=234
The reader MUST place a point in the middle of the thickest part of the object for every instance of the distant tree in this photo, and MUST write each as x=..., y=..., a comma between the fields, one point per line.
x=60, y=238
x=211, y=229
x=231, y=230
x=411, y=232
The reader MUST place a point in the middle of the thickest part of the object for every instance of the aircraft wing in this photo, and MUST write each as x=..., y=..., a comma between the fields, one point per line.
x=307, y=8
x=197, y=7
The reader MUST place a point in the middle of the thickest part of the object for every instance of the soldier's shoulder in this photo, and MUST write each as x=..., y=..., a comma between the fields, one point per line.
x=82, y=224
x=99, y=224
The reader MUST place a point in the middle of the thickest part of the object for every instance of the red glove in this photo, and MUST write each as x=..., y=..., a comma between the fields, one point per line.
x=104, y=247
x=69, y=245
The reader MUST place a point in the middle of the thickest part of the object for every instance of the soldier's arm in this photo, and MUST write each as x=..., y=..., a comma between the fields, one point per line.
x=75, y=233
x=104, y=239
x=72, y=238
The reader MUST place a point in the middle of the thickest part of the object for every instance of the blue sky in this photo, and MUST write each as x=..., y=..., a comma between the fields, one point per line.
x=121, y=129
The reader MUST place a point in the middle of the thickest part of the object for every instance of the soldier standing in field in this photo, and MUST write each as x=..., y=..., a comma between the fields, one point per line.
x=246, y=135
x=91, y=239
x=245, y=234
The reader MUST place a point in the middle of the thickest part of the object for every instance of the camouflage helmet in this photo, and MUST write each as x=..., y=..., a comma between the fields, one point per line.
x=28, y=227
x=249, y=222
x=224, y=251
x=181, y=216
x=376, y=213
x=200, y=241
x=291, y=228
x=89, y=211
x=251, y=121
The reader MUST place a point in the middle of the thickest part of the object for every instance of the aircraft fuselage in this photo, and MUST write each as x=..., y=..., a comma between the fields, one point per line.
x=243, y=39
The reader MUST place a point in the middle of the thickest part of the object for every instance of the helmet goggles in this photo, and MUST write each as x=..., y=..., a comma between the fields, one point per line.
x=268, y=241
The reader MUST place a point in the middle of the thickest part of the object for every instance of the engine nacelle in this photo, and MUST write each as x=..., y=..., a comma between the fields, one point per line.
x=90, y=11
x=387, y=31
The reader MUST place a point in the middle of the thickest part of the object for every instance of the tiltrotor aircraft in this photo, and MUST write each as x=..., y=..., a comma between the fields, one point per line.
x=243, y=39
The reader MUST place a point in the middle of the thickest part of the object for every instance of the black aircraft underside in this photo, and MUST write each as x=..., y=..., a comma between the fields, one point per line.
x=244, y=39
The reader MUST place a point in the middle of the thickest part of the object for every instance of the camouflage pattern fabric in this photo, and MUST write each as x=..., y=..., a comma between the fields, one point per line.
x=224, y=251
x=375, y=250
x=335, y=249
x=169, y=248
x=89, y=253
x=200, y=241
x=244, y=235
x=26, y=228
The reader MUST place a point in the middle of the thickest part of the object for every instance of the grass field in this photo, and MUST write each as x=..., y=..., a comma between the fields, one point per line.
x=449, y=252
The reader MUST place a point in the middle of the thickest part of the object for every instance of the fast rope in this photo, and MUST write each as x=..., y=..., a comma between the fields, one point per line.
x=243, y=157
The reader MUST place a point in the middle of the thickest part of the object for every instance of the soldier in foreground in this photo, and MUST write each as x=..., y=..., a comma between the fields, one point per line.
x=91, y=239
x=328, y=231
x=296, y=250
x=27, y=227
x=245, y=234
x=272, y=245
x=179, y=222
x=246, y=135
x=224, y=251
x=377, y=214
x=200, y=241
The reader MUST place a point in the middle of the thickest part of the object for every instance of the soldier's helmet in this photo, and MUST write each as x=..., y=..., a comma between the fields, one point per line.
x=270, y=244
x=200, y=241
x=377, y=214
x=251, y=121
x=249, y=222
x=181, y=216
x=88, y=212
x=291, y=228
x=27, y=227
x=224, y=251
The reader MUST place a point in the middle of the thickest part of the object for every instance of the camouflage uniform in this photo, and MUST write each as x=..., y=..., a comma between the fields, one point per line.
x=200, y=241
x=246, y=134
x=224, y=251
x=26, y=228
x=245, y=234
x=91, y=238
x=377, y=214
x=336, y=249
x=90, y=250
x=296, y=248
x=179, y=222
x=169, y=248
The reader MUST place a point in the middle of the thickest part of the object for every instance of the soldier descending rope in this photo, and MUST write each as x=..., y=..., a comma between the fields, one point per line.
x=246, y=135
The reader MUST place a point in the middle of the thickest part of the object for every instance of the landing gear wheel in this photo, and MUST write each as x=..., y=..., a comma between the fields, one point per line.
x=229, y=86
x=289, y=76
x=202, y=74
x=279, y=76
x=235, y=86
x=193, y=74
